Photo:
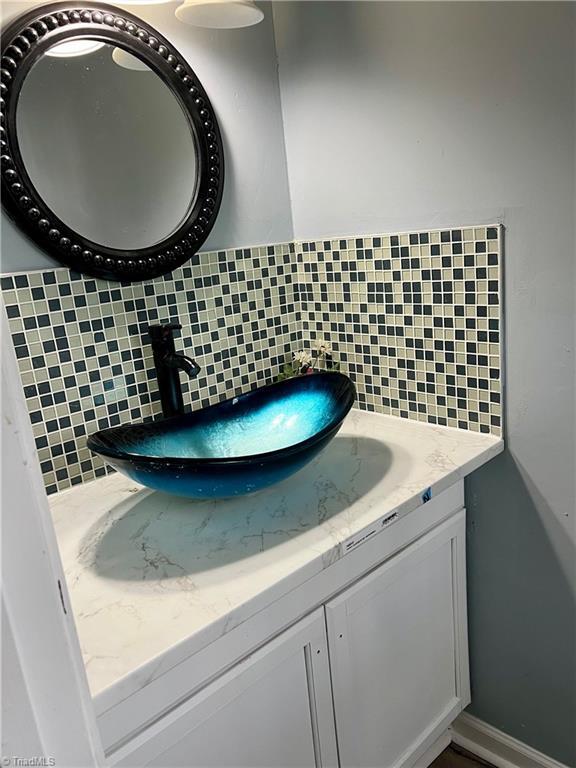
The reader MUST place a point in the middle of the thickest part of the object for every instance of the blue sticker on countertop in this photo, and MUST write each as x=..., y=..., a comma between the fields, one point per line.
x=427, y=495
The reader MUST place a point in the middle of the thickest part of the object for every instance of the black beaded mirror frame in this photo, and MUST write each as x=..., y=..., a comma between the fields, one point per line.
x=23, y=42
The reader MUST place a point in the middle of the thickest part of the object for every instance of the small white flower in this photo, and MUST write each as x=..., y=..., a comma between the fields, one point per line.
x=302, y=357
x=323, y=348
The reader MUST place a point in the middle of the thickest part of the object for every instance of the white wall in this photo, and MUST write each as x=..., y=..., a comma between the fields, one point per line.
x=238, y=70
x=402, y=116
x=18, y=729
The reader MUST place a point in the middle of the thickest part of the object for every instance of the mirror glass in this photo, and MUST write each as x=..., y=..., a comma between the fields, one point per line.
x=107, y=146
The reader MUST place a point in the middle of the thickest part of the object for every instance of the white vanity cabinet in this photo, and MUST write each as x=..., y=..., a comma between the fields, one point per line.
x=373, y=677
x=273, y=710
x=398, y=652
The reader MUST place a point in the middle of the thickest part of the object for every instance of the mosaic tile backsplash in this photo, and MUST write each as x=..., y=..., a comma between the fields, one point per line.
x=84, y=355
x=414, y=319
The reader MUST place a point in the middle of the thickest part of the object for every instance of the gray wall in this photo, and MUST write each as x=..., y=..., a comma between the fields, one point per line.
x=414, y=115
x=238, y=69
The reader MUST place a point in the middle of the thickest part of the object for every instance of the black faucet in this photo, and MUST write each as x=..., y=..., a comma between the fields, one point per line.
x=168, y=363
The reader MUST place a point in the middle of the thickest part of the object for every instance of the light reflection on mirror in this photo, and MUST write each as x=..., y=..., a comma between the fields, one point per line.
x=128, y=60
x=74, y=48
x=83, y=47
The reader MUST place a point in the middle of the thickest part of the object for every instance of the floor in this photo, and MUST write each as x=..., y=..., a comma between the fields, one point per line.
x=456, y=757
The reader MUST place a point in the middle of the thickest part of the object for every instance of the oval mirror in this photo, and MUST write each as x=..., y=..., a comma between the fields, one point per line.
x=112, y=158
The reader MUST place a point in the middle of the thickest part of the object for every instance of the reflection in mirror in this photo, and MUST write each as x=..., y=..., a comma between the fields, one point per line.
x=74, y=48
x=128, y=60
x=108, y=148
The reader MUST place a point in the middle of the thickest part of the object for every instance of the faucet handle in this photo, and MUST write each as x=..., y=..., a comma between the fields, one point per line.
x=163, y=331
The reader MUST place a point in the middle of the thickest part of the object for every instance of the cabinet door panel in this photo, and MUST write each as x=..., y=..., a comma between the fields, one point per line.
x=394, y=645
x=273, y=709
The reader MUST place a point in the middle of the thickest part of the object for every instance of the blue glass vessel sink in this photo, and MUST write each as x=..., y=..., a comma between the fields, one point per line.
x=235, y=447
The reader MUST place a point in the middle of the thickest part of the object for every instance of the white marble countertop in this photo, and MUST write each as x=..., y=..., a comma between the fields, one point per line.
x=148, y=572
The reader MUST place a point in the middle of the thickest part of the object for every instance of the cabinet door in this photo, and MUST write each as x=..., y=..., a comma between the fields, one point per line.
x=398, y=652
x=273, y=709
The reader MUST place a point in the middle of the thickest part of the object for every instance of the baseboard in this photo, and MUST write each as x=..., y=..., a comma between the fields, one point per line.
x=497, y=747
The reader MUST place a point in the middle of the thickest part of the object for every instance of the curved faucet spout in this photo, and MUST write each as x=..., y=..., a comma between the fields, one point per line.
x=182, y=363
